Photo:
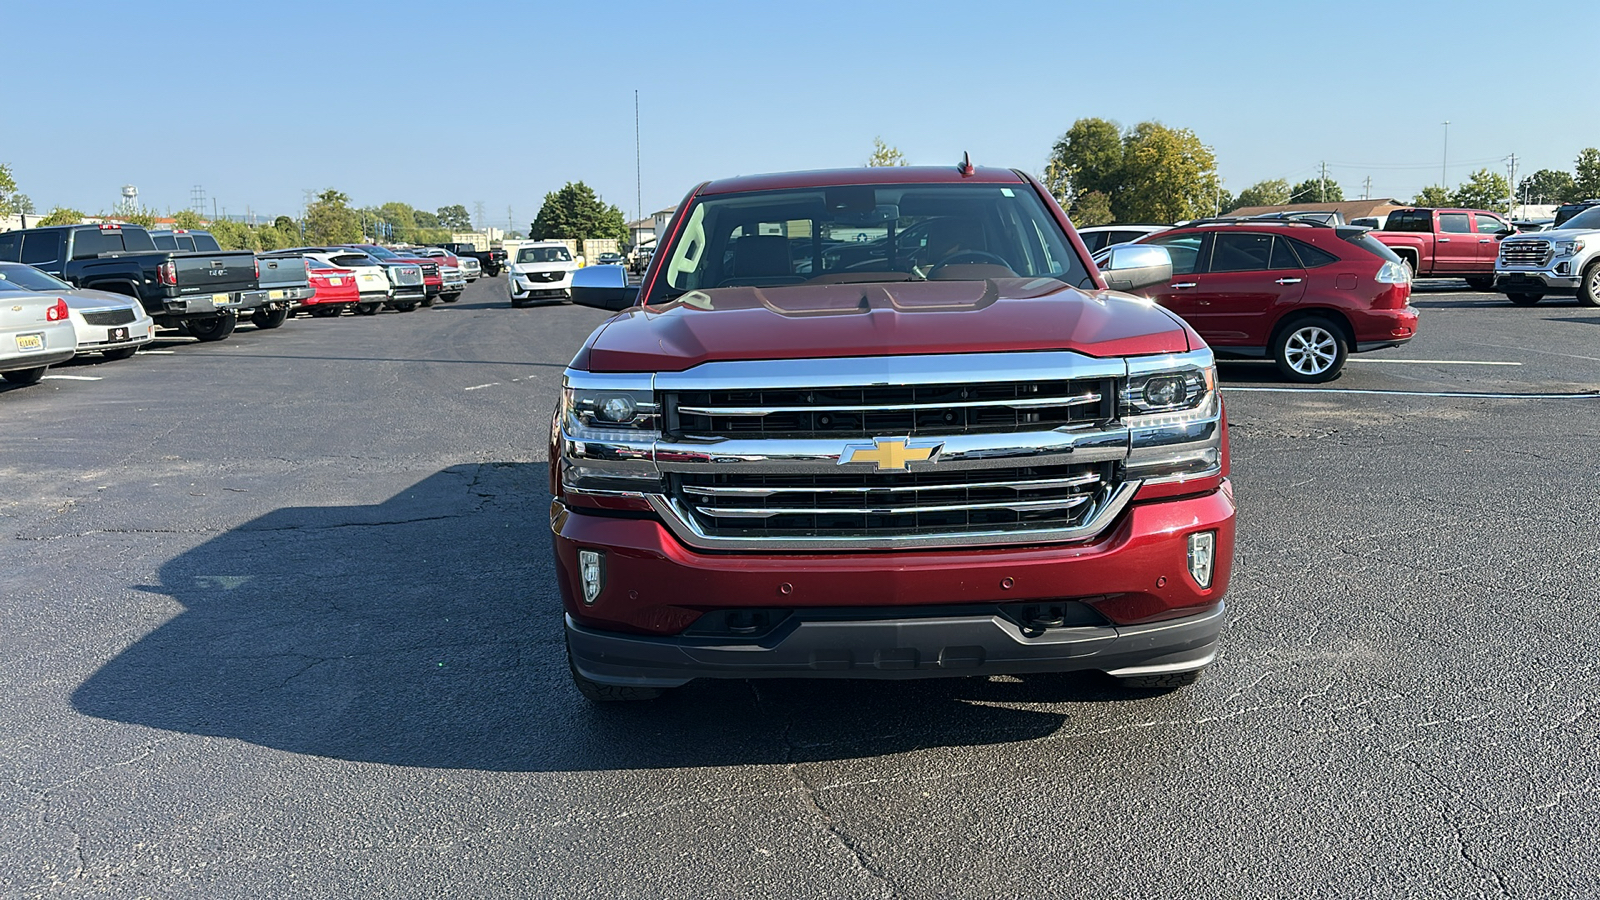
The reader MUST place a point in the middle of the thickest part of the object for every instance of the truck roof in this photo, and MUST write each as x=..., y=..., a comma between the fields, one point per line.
x=860, y=175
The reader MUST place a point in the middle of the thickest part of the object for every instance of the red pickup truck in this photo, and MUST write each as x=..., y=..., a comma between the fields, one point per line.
x=1447, y=243
x=886, y=423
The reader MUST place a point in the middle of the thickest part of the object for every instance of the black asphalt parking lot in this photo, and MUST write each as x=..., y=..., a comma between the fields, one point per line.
x=280, y=620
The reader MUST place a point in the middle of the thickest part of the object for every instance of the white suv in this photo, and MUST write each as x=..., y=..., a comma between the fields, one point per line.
x=541, y=271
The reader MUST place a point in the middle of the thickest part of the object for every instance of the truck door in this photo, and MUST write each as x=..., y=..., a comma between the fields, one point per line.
x=1455, y=244
x=1490, y=230
x=1237, y=299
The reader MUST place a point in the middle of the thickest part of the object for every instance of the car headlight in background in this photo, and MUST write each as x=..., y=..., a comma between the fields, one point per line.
x=1568, y=248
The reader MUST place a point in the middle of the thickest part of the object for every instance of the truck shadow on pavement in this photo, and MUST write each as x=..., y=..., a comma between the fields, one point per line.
x=426, y=631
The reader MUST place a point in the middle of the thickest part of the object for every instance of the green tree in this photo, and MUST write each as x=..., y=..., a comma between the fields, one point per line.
x=1167, y=176
x=1087, y=159
x=232, y=235
x=1484, y=190
x=1273, y=192
x=455, y=218
x=1092, y=208
x=1546, y=186
x=330, y=220
x=425, y=219
x=136, y=215
x=1432, y=195
x=575, y=211
x=284, y=223
x=62, y=215
x=274, y=237
x=24, y=204
x=8, y=191
x=882, y=155
x=187, y=219
x=1586, y=175
x=1317, y=190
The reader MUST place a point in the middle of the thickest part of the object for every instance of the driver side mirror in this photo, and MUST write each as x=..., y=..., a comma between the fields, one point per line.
x=604, y=287
x=1129, y=267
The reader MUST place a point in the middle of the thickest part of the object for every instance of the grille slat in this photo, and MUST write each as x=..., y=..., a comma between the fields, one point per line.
x=927, y=409
x=1525, y=253
x=877, y=504
x=110, y=317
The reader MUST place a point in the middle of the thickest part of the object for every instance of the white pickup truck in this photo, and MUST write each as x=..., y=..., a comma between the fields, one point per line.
x=541, y=272
x=1564, y=260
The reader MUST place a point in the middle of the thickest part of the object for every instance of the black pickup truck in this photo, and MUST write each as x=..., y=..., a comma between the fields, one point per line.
x=492, y=261
x=200, y=294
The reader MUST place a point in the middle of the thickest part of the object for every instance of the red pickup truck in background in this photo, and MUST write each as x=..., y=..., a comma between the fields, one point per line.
x=887, y=423
x=1447, y=243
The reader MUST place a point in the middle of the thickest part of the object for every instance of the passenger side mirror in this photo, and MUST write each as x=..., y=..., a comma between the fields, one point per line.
x=604, y=287
x=1129, y=267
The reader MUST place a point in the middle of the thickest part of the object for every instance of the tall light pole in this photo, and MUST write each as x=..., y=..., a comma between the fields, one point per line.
x=1444, y=166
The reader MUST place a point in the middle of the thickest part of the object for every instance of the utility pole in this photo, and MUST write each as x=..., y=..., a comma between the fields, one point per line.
x=1322, y=184
x=1512, y=171
x=1444, y=165
x=638, y=181
x=478, y=217
x=1366, y=188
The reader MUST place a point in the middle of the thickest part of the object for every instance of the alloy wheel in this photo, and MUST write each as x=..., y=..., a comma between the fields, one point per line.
x=1311, y=350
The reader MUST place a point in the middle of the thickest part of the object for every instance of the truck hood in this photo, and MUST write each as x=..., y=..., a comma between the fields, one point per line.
x=844, y=320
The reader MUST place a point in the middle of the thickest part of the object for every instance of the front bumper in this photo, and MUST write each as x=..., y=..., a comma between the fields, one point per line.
x=1540, y=280
x=1153, y=616
x=93, y=338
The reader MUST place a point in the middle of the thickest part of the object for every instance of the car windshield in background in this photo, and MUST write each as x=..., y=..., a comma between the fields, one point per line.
x=164, y=242
x=1589, y=219
x=27, y=278
x=543, y=255
x=870, y=233
x=380, y=253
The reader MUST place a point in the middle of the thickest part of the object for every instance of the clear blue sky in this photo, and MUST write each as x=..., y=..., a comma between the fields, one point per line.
x=505, y=101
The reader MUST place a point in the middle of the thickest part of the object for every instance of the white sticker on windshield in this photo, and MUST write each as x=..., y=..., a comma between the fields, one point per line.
x=1006, y=192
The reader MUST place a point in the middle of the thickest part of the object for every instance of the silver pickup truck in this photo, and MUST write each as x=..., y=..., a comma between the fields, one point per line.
x=1564, y=260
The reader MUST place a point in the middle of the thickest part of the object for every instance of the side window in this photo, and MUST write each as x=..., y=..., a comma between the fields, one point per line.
x=1455, y=223
x=88, y=243
x=1235, y=252
x=164, y=242
x=1283, y=256
x=1096, y=240
x=1488, y=224
x=9, y=244
x=41, y=247
x=185, y=242
x=1310, y=256
x=205, y=242
x=1186, y=251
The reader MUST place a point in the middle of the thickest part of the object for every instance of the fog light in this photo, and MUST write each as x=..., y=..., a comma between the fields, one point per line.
x=592, y=572
x=1202, y=552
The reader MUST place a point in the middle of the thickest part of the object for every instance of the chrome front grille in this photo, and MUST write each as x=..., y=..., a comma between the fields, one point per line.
x=110, y=317
x=870, y=504
x=409, y=276
x=1525, y=253
x=923, y=409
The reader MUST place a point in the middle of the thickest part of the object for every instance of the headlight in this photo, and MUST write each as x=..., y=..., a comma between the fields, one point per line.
x=608, y=428
x=1568, y=248
x=1174, y=418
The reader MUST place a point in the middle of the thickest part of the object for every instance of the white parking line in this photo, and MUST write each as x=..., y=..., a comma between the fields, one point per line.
x=479, y=387
x=73, y=377
x=1470, y=395
x=1438, y=362
x=157, y=352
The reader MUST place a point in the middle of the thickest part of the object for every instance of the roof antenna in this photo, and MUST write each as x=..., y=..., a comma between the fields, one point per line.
x=966, y=168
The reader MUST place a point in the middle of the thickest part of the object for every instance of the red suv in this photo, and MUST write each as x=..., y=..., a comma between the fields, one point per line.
x=1303, y=293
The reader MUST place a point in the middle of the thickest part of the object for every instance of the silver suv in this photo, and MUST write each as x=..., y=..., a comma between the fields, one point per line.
x=1564, y=260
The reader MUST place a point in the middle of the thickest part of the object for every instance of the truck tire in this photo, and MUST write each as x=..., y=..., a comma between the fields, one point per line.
x=269, y=318
x=1524, y=298
x=30, y=376
x=1158, y=682
x=1480, y=282
x=1589, y=285
x=119, y=353
x=1310, y=350
x=428, y=301
x=405, y=306
x=595, y=692
x=450, y=297
x=212, y=328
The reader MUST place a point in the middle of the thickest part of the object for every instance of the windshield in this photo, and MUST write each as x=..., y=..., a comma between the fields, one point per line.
x=380, y=253
x=869, y=233
x=543, y=255
x=27, y=278
x=1589, y=219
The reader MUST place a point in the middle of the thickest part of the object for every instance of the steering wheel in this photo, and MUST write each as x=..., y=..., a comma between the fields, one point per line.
x=971, y=256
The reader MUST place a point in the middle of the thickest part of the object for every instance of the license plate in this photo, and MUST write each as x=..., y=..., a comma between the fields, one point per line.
x=219, y=299
x=277, y=295
x=117, y=334
x=27, y=343
x=336, y=281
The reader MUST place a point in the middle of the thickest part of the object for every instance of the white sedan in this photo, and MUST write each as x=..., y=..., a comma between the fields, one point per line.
x=35, y=333
x=114, y=325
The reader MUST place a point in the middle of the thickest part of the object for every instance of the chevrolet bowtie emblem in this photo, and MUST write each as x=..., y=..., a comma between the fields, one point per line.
x=890, y=453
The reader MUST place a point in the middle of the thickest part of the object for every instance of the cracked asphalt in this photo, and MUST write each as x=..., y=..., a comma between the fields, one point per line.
x=280, y=621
